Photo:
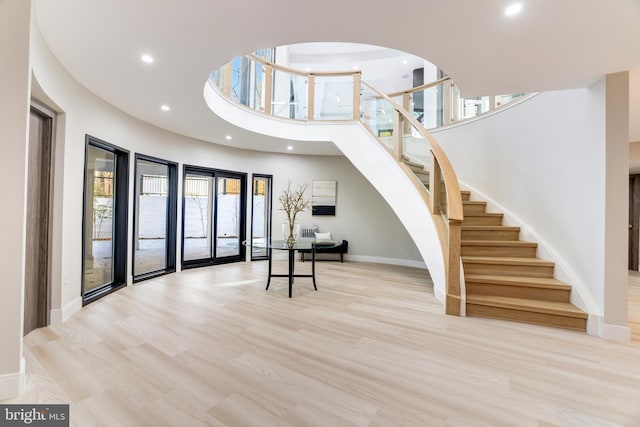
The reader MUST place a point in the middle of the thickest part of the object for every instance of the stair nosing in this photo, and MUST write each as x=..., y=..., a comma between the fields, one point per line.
x=523, y=281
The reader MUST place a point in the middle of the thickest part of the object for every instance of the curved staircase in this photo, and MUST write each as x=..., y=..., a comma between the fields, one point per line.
x=504, y=279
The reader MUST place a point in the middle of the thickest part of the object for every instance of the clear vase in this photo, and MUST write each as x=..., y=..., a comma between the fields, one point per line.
x=290, y=232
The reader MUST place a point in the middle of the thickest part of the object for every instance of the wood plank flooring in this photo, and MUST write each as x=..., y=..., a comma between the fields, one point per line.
x=634, y=305
x=371, y=347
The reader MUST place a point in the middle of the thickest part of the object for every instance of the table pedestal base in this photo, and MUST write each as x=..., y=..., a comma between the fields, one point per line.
x=291, y=274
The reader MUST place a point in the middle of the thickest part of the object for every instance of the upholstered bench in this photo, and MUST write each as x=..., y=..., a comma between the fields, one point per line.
x=312, y=232
x=340, y=249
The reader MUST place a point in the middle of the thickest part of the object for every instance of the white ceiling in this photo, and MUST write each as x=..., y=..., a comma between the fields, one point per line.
x=551, y=45
x=388, y=70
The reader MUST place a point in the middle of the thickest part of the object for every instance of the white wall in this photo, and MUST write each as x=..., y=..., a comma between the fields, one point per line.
x=362, y=216
x=542, y=161
x=616, y=207
x=14, y=118
x=634, y=105
x=634, y=157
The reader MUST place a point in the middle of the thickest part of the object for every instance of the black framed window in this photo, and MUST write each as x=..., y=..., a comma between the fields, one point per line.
x=104, y=243
x=213, y=216
x=155, y=216
x=261, y=202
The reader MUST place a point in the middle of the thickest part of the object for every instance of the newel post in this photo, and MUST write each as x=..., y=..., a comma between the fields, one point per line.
x=453, y=298
x=311, y=91
x=356, y=96
x=268, y=88
x=227, y=74
x=397, y=135
x=447, y=105
x=406, y=104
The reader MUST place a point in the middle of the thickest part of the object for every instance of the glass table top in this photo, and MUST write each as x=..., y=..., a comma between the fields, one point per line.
x=298, y=244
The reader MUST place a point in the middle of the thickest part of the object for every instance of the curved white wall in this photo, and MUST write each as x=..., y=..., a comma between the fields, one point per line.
x=362, y=217
x=542, y=162
x=634, y=105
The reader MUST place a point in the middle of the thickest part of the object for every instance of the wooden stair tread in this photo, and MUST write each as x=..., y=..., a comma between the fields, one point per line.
x=505, y=280
x=524, y=261
x=522, y=304
x=489, y=227
x=537, y=282
x=495, y=214
x=518, y=243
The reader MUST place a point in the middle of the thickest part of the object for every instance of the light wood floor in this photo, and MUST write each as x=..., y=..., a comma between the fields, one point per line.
x=371, y=347
x=634, y=305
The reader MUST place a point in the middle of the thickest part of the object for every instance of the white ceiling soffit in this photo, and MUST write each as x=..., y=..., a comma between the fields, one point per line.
x=551, y=45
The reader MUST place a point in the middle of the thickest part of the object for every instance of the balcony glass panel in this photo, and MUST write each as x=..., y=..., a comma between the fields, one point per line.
x=333, y=98
x=427, y=106
x=416, y=150
x=289, y=97
x=257, y=83
x=505, y=99
x=377, y=115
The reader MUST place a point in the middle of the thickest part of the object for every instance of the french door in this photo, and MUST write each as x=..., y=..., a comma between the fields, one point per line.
x=213, y=216
x=155, y=213
x=106, y=185
x=260, y=215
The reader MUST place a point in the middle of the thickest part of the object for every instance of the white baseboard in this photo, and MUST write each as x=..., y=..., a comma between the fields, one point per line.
x=383, y=260
x=616, y=333
x=594, y=325
x=12, y=385
x=282, y=255
x=60, y=315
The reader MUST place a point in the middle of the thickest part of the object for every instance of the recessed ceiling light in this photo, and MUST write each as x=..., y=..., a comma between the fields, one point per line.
x=147, y=58
x=165, y=108
x=355, y=67
x=405, y=62
x=228, y=137
x=513, y=9
x=289, y=148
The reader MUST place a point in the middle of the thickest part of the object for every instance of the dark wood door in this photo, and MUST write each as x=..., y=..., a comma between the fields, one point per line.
x=37, y=277
x=634, y=221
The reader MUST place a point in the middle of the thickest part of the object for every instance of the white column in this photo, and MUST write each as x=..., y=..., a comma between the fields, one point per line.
x=616, y=208
x=15, y=87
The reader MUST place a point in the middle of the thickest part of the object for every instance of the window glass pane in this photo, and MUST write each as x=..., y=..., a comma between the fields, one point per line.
x=99, y=204
x=150, y=244
x=228, y=217
x=198, y=208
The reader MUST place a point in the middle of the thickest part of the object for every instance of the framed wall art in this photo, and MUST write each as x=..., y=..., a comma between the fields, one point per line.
x=323, y=198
